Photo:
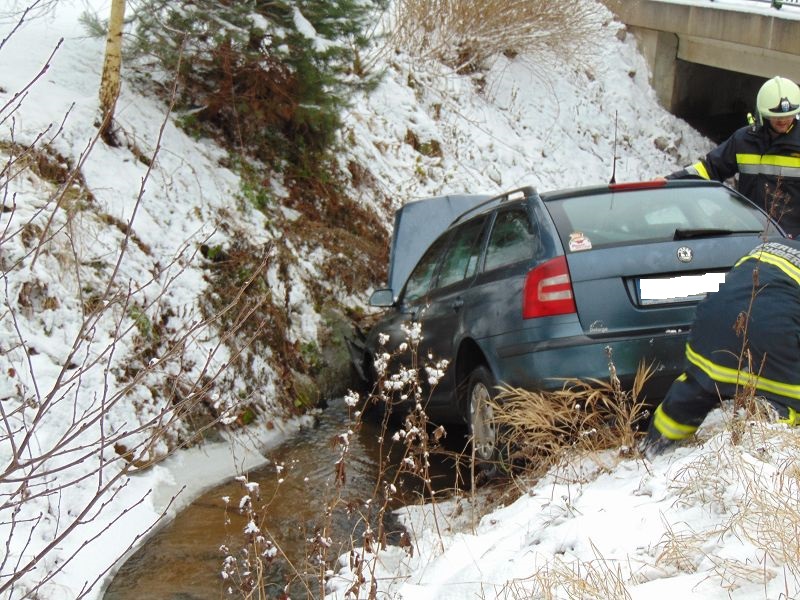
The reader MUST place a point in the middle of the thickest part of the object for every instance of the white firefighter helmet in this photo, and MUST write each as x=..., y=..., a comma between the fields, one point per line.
x=778, y=97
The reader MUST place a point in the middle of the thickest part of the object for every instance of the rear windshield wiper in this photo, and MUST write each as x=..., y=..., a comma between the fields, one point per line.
x=685, y=234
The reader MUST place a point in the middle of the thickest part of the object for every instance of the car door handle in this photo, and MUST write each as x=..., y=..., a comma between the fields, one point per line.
x=457, y=304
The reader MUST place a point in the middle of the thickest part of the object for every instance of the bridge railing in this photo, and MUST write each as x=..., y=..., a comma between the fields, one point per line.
x=778, y=4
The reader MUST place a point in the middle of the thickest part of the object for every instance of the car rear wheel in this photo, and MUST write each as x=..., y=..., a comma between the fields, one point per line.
x=480, y=418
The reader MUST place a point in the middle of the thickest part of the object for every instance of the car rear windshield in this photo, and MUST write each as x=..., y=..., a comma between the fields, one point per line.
x=591, y=221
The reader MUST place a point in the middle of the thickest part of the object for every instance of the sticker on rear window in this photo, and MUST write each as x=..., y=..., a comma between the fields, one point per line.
x=578, y=241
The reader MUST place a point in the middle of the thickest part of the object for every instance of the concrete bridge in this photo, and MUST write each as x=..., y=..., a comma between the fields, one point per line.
x=710, y=57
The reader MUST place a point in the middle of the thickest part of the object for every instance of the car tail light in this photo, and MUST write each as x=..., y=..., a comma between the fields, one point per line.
x=548, y=290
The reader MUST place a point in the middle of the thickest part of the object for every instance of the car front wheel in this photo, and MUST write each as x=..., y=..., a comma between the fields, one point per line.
x=480, y=417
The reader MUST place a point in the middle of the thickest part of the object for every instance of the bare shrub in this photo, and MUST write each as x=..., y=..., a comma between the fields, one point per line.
x=405, y=445
x=100, y=377
x=466, y=33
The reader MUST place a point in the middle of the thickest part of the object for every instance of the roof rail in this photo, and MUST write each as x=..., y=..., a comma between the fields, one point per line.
x=515, y=194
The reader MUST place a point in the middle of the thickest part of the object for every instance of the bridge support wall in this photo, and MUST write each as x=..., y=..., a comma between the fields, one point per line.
x=751, y=43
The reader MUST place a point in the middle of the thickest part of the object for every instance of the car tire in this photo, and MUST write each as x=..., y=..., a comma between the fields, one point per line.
x=482, y=429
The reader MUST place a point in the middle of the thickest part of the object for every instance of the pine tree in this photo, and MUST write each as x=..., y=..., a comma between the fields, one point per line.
x=269, y=76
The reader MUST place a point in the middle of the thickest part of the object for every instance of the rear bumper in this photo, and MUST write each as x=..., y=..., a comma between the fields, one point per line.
x=545, y=365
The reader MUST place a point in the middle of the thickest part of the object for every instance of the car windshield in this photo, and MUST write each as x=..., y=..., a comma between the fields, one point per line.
x=585, y=222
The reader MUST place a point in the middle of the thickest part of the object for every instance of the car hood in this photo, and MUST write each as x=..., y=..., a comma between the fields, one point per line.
x=417, y=224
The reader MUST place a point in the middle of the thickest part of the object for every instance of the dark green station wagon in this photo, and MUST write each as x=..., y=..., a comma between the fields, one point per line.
x=529, y=289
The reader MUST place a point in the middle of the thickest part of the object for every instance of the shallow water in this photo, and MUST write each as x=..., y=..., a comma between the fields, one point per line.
x=183, y=560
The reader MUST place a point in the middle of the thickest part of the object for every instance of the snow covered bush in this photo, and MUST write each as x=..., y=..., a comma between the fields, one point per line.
x=464, y=34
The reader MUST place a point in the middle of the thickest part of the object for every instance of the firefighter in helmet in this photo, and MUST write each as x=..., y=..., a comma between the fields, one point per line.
x=746, y=336
x=765, y=154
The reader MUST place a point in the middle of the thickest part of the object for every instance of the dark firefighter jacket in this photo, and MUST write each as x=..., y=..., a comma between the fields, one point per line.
x=763, y=164
x=765, y=284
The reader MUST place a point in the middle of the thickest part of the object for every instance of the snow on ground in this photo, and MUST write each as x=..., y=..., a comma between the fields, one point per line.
x=715, y=521
x=538, y=121
x=527, y=121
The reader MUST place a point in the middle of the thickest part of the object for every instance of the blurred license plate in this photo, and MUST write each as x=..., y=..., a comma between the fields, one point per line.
x=686, y=288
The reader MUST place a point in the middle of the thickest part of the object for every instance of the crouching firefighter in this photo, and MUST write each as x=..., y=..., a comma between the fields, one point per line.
x=744, y=336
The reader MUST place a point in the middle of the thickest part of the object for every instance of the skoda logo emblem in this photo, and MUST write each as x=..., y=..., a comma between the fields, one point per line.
x=685, y=254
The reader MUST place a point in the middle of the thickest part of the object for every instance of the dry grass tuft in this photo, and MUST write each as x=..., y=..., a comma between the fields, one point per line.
x=598, y=578
x=754, y=479
x=466, y=33
x=541, y=428
x=681, y=551
x=769, y=515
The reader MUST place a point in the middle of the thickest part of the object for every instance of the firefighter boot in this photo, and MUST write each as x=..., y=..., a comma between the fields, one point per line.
x=654, y=443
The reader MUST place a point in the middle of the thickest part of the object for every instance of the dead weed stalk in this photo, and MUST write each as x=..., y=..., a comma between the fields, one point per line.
x=405, y=447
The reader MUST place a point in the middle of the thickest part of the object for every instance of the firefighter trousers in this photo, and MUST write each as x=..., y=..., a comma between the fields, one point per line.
x=687, y=403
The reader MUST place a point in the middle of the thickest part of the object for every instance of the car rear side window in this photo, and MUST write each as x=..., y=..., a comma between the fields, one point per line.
x=461, y=259
x=512, y=240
